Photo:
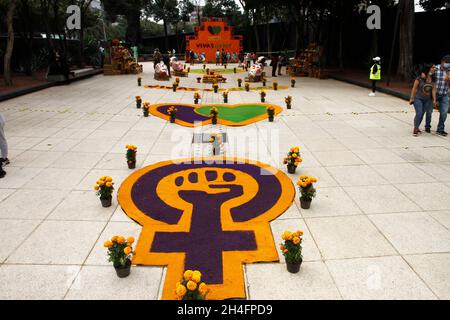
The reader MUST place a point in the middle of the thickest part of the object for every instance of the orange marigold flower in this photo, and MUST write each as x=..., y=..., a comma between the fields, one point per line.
x=127, y=250
x=130, y=240
x=114, y=239
x=191, y=285
x=120, y=240
x=188, y=274
x=108, y=244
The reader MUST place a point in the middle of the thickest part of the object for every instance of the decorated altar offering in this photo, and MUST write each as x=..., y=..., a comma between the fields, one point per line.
x=105, y=188
x=292, y=250
x=161, y=72
x=131, y=156
x=120, y=253
x=191, y=287
x=307, y=191
x=213, y=78
x=293, y=159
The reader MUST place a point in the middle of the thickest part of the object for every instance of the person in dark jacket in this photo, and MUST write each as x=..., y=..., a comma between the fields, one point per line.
x=274, y=64
x=166, y=60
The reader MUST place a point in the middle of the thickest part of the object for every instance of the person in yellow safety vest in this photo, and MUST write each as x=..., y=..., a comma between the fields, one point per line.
x=375, y=75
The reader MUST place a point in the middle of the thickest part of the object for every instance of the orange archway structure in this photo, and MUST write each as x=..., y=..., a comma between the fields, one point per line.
x=212, y=35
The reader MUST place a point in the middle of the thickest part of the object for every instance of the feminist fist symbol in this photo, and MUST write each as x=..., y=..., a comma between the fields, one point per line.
x=204, y=217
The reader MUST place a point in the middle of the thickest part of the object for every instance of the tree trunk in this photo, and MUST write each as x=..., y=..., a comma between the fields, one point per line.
x=255, y=29
x=341, y=45
x=10, y=43
x=166, y=38
x=406, y=54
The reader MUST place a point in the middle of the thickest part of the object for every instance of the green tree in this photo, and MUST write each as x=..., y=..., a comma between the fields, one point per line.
x=166, y=11
x=432, y=5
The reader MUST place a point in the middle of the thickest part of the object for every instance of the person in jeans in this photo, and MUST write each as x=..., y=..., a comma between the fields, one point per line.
x=274, y=64
x=423, y=97
x=3, y=146
x=442, y=83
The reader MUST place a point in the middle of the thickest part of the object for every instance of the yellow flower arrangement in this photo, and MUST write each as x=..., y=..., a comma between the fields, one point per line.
x=293, y=158
x=104, y=187
x=307, y=190
x=131, y=153
x=291, y=247
x=119, y=250
x=172, y=112
x=191, y=287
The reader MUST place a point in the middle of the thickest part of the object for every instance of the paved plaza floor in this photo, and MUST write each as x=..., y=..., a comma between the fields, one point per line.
x=378, y=229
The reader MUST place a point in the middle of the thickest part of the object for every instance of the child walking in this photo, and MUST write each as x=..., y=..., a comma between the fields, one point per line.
x=375, y=75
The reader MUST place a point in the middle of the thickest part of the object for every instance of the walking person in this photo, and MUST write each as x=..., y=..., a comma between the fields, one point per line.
x=375, y=75
x=274, y=64
x=3, y=146
x=442, y=84
x=217, y=57
x=423, y=97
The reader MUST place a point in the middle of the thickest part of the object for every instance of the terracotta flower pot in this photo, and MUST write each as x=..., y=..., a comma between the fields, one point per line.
x=123, y=272
x=146, y=113
x=132, y=165
x=271, y=118
x=291, y=169
x=195, y=101
x=214, y=120
x=293, y=267
x=172, y=119
x=263, y=100
x=289, y=106
x=106, y=202
x=305, y=204
x=225, y=100
x=138, y=104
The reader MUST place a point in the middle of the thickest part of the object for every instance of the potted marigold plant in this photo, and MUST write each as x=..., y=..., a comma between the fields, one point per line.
x=307, y=191
x=271, y=113
x=263, y=96
x=175, y=86
x=225, y=96
x=239, y=82
x=177, y=80
x=204, y=66
x=213, y=114
x=131, y=156
x=199, y=79
x=247, y=86
x=139, y=81
x=138, y=102
x=120, y=254
x=105, y=188
x=288, y=101
x=191, y=287
x=234, y=70
x=293, y=81
x=172, y=112
x=264, y=82
x=292, y=250
x=145, y=109
x=275, y=85
x=293, y=159
x=196, y=97
x=215, y=87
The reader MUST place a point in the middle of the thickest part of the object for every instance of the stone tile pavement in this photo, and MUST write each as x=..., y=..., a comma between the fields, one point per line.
x=378, y=229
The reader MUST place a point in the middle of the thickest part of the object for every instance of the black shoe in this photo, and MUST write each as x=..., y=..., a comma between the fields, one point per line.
x=427, y=130
x=2, y=173
x=4, y=161
x=442, y=133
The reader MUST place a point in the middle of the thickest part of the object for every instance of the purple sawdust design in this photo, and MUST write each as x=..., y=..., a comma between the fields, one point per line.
x=185, y=113
x=206, y=241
